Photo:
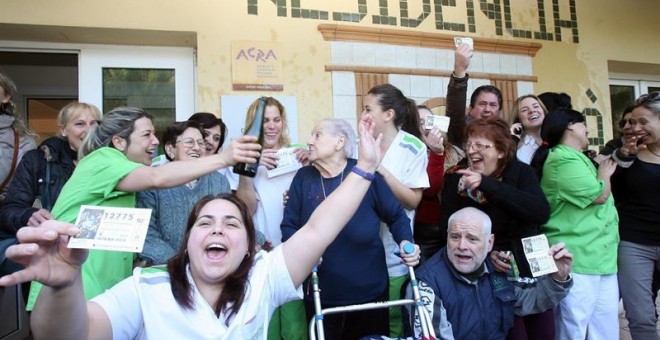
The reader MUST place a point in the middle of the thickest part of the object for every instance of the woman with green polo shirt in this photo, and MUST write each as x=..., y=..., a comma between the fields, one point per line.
x=584, y=217
x=114, y=165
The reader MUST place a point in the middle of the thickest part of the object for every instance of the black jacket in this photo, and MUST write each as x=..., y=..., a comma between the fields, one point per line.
x=516, y=206
x=40, y=174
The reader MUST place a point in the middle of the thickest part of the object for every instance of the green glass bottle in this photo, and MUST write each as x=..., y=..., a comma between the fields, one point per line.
x=256, y=128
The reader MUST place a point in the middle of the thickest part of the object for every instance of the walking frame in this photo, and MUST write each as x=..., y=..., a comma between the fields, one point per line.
x=316, y=324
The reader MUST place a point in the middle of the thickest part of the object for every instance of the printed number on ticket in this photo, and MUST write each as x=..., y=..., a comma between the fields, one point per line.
x=109, y=228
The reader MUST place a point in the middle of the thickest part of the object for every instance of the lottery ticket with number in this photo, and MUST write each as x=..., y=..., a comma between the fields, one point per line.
x=432, y=121
x=536, y=251
x=286, y=162
x=464, y=40
x=110, y=228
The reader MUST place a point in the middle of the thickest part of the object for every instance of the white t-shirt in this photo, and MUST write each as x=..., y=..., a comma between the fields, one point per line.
x=143, y=307
x=526, y=149
x=270, y=203
x=406, y=159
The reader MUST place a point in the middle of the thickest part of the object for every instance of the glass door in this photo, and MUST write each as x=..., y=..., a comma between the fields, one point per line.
x=157, y=79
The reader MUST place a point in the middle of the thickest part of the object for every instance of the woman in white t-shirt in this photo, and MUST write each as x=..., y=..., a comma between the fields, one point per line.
x=404, y=169
x=215, y=287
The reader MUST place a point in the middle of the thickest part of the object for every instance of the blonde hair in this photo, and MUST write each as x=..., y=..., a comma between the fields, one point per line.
x=284, y=140
x=74, y=110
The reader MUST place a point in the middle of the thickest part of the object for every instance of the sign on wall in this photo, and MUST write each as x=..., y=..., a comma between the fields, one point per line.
x=256, y=66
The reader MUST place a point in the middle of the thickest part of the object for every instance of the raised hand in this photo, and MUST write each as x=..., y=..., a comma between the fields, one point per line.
x=434, y=141
x=462, y=57
x=516, y=129
x=369, y=148
x=44, y=253
x=243, y=149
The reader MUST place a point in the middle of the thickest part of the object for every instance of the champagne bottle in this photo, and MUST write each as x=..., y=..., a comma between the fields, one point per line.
x=256, y=128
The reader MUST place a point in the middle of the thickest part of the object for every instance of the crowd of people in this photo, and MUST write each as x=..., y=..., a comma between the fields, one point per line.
x=229, y=256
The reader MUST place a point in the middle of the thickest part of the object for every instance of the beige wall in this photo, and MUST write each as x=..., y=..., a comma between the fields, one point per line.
x=623, y=30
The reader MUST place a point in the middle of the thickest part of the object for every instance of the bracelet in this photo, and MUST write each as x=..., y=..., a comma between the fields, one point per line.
x=369, y=176
x=569, y=278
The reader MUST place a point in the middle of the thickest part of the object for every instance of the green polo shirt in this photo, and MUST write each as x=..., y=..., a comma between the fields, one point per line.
x=570, y=183
x=94, y=183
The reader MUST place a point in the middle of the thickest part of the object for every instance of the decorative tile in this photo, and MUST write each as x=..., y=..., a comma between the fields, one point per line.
x=525, y=87
x=444, y=60
x=420, y=86
x=425, y=58
x=524, y=65
x=492, y=63
x=476, y=63
x=343, y=83
x=591, y=95
x=438, y=86
x=385, y=55
x=405, y=56
x=508, y=64
x=402, y=82
x=343, y=106
x=341, y=53
x=363, y=54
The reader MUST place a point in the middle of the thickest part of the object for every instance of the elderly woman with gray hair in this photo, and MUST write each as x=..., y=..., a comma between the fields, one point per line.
x=358, y=248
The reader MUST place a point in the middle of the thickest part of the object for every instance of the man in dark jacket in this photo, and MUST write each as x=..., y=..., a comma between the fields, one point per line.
x=467, y=299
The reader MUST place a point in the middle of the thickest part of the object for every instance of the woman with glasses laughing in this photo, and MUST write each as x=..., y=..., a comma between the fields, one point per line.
x=494, y=181
x=169, y=207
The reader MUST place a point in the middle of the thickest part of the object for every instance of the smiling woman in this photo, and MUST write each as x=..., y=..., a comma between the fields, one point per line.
x=494, y=181
x=114, y=166
x=169, y=207
x=216, y=286
x=528, y=113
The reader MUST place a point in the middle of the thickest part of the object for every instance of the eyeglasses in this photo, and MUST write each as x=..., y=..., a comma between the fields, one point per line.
x=190, y=142
x=476, y=146
x=623, y=123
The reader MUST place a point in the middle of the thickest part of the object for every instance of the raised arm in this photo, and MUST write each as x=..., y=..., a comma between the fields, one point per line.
x=304, y=248
x=61, y=312
x=457, y=95
x=241, y=149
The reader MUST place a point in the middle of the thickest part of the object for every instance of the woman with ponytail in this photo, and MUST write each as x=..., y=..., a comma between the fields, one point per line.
x=584, y=217
x=403, y=167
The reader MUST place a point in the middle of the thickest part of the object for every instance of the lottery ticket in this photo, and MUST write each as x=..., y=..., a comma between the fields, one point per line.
x=111, y=228
x=464, y=40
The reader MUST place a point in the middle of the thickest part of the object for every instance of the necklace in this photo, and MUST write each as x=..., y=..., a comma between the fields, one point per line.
x=341, y=179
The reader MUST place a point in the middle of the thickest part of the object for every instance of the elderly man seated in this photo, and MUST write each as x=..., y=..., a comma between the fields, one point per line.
x=467, y=298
